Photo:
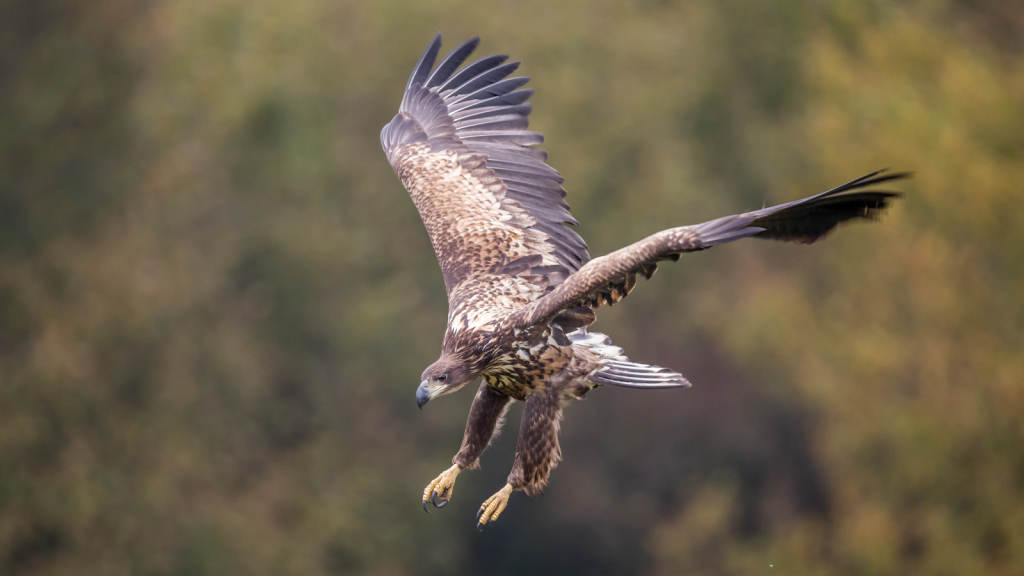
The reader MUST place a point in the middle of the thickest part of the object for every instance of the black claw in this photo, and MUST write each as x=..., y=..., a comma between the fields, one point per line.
x=478, y=513
x=433, y=498
x=442, y=504
x=425, y=507
x=479, y=527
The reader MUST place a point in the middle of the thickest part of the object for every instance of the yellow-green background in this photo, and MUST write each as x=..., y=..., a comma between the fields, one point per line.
x=216, y=298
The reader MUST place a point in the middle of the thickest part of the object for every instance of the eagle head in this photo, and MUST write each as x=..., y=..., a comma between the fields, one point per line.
x=445, y=376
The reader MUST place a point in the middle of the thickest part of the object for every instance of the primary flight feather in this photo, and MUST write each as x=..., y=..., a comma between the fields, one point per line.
x=521, y=286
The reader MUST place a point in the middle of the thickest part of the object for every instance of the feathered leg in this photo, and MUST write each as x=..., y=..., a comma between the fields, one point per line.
x=537, y=453
x=485, y=418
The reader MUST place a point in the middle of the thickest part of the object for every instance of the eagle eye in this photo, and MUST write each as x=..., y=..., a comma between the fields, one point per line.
x=442, y=377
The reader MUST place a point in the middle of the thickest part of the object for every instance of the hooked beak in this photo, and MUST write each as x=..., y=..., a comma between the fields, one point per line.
x=422, y=395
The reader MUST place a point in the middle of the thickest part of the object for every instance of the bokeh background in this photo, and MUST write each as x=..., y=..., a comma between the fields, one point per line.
x=216, y=298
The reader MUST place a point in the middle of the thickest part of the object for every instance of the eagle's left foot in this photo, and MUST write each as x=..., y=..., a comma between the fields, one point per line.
x=442, y=487
x=493, y=506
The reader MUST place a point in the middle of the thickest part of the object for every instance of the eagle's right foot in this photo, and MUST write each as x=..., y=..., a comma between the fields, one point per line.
x=441, y=488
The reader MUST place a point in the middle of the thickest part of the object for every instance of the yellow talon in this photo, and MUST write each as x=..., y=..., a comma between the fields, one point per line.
x=495, y=505
x=442, y=487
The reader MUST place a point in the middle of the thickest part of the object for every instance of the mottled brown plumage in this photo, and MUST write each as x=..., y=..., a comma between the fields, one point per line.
x=521, y=286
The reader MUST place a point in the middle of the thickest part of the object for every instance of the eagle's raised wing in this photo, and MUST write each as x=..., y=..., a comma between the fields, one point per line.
x=610, y=278
x=490, y=204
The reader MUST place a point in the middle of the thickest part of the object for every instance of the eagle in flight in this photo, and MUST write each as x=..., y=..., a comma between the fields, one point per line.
x=521, y=287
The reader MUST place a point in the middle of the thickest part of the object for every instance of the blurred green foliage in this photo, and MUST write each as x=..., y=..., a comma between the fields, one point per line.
x=216, y=298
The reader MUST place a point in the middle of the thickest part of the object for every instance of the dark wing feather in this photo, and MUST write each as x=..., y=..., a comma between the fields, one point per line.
x=423, y=66
x=488, y=83
x=478, y=116
x=451, y=62
x=608, y=279
x=471, y=71
x=511, y=99
x=490, y=111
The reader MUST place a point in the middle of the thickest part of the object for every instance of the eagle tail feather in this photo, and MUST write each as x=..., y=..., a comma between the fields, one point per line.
x=636, y=375
x=618, y=370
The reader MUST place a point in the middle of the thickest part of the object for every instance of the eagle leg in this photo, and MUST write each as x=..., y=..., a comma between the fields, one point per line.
x=484, y=422
x=537, y=452
x=485, y=416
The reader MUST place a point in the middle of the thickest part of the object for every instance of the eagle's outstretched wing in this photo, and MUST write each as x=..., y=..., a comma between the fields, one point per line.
x=608, y=279
x=490, y=204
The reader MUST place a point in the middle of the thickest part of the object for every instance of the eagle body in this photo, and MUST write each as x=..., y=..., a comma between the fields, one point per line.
x=522, y=288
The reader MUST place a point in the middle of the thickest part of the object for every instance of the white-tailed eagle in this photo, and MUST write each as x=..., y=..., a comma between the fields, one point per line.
x=521, y=287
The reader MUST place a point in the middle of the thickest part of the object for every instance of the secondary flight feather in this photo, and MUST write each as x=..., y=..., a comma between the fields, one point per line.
x=521, y=286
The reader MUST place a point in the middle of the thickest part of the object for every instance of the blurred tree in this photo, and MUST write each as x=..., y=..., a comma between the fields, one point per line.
x=216, y=299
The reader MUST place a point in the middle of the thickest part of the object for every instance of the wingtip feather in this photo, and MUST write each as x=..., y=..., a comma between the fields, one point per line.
x=451, y=62
x=426, y=62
